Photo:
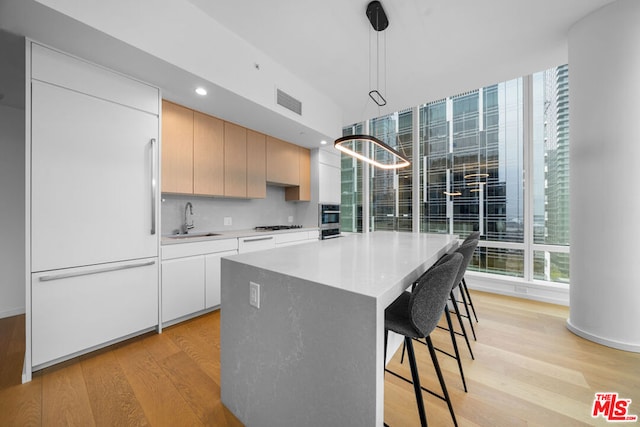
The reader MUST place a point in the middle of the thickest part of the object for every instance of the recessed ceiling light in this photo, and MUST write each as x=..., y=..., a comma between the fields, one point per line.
x=201, y=91
x=323, y=142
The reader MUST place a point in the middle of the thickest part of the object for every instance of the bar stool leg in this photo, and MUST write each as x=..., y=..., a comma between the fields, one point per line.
x=455, y=347
x=436, y=365
x=466, y=289
x=466, y=308
x=416, y=380
x=464, y=332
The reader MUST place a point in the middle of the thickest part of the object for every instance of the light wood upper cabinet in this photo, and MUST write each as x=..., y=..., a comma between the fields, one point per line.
x=256, y=165
x=282, y=162
x=235, y=160
x=301, y=192
x=177, y=148
x=208, y=155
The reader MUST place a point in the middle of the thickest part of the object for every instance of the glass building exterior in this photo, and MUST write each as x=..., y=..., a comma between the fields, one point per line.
x=475, y=153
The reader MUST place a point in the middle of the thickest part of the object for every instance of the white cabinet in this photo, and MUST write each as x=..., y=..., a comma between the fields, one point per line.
x=92, y=153
x=259, y=243
x=191, y=270
x=79, y=309
x=92, y=166
x=296, y=238
x=329, y=176
x=212, y=278
x=191, y=276
x=182, y=287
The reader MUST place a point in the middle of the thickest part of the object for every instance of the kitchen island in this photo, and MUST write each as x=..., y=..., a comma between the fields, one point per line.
x=312, y=352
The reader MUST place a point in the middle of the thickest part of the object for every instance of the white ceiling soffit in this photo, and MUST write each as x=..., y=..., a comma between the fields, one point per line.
x=32, y=19
x=435, y=48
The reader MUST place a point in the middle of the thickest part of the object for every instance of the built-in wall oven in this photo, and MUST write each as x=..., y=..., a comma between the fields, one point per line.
x=329, y=220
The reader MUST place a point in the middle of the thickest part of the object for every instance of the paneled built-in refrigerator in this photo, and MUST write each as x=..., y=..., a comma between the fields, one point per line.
x=93, y=207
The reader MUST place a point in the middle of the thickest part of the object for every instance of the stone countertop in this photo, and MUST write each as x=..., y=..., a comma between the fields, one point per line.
x=200, y=236
x=312, y=351
x=374, y=264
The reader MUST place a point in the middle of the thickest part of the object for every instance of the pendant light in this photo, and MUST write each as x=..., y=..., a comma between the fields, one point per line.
x=366, y=147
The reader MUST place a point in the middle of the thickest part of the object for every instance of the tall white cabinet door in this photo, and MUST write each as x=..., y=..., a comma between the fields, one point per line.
x=76, y=309
x=182, y=287
x=91, y=182
x=212, y=277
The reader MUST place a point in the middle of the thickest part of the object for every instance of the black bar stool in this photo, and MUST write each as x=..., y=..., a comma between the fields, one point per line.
x=416, y=314
x=466, y=250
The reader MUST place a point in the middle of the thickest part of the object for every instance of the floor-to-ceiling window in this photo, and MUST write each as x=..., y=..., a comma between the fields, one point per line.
x=472, y=148
x=390, y=190
x=477, y=151
x=550, y=165
x=351, y=187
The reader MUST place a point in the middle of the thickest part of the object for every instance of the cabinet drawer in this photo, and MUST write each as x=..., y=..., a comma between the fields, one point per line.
x=258, y=243
x=291, y=237
x=79, y=309
x=181, y=250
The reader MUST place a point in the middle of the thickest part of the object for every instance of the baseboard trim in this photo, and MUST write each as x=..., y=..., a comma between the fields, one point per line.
x=635, y=348
x=516, y=287
x=11, y=312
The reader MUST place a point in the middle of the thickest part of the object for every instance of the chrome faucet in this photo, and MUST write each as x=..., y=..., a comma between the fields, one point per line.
x=188, y=209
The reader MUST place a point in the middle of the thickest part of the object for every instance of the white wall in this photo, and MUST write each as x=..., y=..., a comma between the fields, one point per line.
x=604, y=67
x=12, y=213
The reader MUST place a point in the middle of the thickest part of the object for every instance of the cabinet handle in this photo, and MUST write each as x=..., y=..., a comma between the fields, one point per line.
x=153, y=186
x=96, y=271
x=258, y=239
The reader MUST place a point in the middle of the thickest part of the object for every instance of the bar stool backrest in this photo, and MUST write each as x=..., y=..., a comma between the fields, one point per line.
x=466, y=249
x=473, y=236
x=429, y=297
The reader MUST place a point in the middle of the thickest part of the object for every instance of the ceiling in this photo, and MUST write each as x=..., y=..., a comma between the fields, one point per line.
x=434, y=48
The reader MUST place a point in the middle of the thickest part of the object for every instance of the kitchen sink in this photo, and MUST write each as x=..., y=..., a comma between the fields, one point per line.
x=194, y=235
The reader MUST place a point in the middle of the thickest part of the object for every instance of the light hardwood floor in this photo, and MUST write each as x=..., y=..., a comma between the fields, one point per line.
x=529, y=371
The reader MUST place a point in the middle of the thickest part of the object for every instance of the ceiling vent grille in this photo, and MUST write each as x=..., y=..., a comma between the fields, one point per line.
x=288, y=102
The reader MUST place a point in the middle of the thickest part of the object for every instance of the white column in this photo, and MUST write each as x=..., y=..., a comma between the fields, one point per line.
x=604, y=67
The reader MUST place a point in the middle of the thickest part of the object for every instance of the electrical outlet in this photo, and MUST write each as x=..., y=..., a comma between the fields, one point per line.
x=254, y=294
x=228, y=220
x=290, y=219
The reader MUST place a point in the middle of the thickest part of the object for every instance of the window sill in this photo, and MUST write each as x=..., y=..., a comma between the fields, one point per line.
x=555, y=293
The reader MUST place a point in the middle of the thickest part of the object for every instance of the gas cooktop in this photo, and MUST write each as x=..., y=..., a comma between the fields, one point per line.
x=276, y=227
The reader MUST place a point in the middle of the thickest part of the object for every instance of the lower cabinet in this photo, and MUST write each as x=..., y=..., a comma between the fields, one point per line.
x=182, y=287
x=297, y=238
x=191, y=276
x=80, y=309
x=191, y=271
x=212, y=278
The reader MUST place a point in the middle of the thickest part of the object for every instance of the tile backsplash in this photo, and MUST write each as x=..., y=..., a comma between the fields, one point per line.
x=209, y=212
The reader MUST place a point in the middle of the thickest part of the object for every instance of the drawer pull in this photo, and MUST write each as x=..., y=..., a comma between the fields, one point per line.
x=257, y=239
x=96, y=271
